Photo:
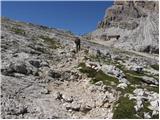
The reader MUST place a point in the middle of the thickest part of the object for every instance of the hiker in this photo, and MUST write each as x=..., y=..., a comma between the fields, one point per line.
x=98, y=55
x=78, y=44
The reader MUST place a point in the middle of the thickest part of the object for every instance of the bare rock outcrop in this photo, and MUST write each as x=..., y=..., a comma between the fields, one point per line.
x=135, y=21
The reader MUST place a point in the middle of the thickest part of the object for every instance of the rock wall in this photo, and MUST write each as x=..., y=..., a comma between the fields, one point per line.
x=135, y=21
x=121, y=11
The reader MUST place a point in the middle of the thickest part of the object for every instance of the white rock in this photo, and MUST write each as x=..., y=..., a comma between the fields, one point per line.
x=136, y=68
x=123, y=80
x=99, y=83
x=67, y=98
x=116, y=72
x=139, y=103
x=122, y=85
x=138, y=92
x=155, y=112
x=147, y=116
x=154, y=105
x=150, y=80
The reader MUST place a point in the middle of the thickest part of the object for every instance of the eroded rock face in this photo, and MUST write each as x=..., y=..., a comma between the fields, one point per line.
x=135, y=21
x=122, y=11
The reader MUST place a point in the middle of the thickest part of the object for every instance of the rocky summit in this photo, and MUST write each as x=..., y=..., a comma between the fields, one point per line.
x=43, y=76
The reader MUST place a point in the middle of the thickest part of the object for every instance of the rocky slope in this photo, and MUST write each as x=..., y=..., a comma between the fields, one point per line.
x=43, y=77
x=135, y=21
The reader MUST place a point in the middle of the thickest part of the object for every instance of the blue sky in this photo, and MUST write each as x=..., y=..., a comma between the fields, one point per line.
x=77, y=16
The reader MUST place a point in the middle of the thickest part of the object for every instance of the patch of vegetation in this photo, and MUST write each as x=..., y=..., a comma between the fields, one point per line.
x=101, y=59
x=128, y=89
x=133, y=79
x=96, y=59
x=155, y=66
x=134, y=72
x=125, y=109
x=120, y=66
x=19, y=31
x=146, y=73
x=97, y=75
x=152, y=88
x=51, y=42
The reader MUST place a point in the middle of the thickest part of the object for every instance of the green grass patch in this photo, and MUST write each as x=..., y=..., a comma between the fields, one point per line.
x=125, y=109
x=128, y=89
x=97, y=58
x=19, y=31
x=51, y=42
x=101, y=59
x=155, y=66
x=97, y=75
x=153, y=88
x=133, y=79
x=120, y=66
x=134, y=72
x=146, y=73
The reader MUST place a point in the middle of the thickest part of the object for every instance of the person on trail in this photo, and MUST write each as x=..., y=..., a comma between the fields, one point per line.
x=98, y=55
x=78, y=44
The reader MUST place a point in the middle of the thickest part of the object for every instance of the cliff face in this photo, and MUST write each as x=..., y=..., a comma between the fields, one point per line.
x=122, y=11
x=135, y=21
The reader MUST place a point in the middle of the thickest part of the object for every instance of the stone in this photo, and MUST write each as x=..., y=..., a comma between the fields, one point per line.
x=154, y=105
x=116, y=57
x=54, y=74
x=61, y=51
x=105, y=88
x=93, y=88
x=155, y=112
x=44, y=64
x=93, y=65
x=73, y=106
x=18, y=75
x=139, y=103
x=122, y=85
x=150, y=80
x=19, y=67
x=138, y=92
x=67, y=98
x=35, y=63
x=85, y=108
x=123, y=80
x=67, y=106
x=116, y=72
x=58, y=95
x=147, y=116
x=73, y=51
x=99, y=83
x=45, y=91
x=136, y=68
x=108, y=55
